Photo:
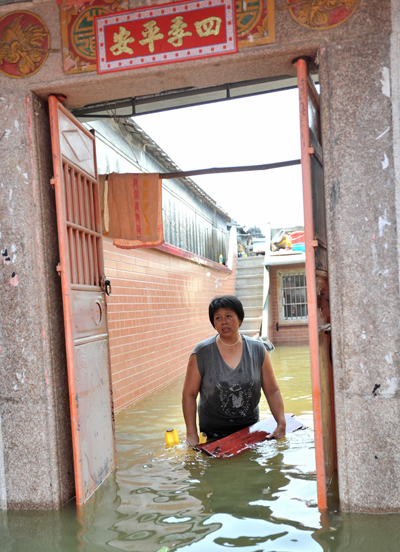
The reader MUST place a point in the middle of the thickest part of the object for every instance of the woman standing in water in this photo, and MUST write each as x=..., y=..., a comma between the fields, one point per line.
x=229, y=370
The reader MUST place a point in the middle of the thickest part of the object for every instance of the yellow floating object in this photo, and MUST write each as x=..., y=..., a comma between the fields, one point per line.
x=171, y=437
x=202, y=438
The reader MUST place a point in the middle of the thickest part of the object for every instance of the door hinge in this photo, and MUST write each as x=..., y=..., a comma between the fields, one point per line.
x=52, y=182
x=58, y=268
x=322, y=301
x=326, y=329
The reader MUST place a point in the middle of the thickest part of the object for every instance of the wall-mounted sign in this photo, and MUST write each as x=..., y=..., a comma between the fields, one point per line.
x=255, y=22
x=77, y=32
x=24, y=44
x=165, y=33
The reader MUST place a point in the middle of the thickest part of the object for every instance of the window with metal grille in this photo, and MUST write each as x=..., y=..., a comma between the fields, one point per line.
x=294, y=296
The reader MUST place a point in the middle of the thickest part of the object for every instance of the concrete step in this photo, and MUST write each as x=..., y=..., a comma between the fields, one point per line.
x=251, y=323
x=250, y=300
x=249, y=333
x=250, y=269
x=252, y=311
x=259, y=272
x=250, y=261
x=244, y=291
x=249, y=280
x=254, y=272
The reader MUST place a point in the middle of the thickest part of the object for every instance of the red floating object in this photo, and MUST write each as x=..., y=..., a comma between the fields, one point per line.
x=243, y=440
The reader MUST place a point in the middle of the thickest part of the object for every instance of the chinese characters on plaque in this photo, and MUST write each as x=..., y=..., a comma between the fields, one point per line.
x=165, y=34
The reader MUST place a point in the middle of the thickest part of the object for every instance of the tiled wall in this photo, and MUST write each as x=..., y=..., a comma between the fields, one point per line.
x=284, y=335
x=157, y=312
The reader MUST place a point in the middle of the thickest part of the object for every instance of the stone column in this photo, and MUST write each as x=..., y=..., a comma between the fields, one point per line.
x=35, y=448
x=357, y=118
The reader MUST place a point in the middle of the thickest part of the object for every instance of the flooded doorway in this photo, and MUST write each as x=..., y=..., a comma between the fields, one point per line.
x=314, y=227
x=183, y=130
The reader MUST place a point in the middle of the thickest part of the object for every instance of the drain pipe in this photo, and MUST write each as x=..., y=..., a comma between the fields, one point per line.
x=232, y=247
x=266, y=285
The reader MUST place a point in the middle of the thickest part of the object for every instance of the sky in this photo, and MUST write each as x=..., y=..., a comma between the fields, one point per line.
x=246, y=131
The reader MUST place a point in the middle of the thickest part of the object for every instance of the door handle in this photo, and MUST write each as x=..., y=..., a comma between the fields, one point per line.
x=106, y=286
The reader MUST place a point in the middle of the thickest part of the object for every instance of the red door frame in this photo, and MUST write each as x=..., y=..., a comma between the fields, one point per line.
x=323, y=442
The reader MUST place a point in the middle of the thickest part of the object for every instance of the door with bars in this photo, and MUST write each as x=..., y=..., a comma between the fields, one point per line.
x=84, y=299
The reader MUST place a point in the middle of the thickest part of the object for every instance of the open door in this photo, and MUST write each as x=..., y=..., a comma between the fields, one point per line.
x=317, y=282
x=84, y=302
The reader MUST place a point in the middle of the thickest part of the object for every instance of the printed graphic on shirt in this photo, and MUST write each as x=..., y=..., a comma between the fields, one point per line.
x=236, y=399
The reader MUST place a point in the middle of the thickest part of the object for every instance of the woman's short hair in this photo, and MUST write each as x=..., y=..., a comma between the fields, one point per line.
x=225, y=302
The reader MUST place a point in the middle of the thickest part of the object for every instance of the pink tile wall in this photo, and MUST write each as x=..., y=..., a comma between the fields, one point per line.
x=157, y=313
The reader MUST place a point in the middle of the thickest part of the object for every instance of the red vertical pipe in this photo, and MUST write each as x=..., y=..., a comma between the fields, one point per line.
x=310, y=245
x=68, y=213
x=85, y=223
x=92, y=247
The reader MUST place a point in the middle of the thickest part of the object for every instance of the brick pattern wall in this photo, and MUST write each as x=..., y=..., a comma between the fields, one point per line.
x=157, y=312
x=284, y=335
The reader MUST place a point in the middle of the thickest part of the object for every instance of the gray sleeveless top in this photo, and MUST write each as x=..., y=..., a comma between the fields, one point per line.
x=229, y=398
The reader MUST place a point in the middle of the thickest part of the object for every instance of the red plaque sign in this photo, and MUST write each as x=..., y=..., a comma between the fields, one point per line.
x=166, y=33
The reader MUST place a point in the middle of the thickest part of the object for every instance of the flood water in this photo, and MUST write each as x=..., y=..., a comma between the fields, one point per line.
x=174, y=498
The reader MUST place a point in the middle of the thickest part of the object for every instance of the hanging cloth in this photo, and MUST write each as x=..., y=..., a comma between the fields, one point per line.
x=131, y=209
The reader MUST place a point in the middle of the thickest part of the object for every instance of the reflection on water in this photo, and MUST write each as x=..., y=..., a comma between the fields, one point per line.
x=262, y=500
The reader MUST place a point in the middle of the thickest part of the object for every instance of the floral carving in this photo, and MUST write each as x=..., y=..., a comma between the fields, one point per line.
x=24, y=42
x=262, y=29
x=321, y=14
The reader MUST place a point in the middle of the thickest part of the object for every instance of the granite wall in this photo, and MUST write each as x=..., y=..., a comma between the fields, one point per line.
x=34, y=407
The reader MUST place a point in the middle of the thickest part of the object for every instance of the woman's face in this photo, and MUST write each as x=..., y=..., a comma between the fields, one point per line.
x=226, y=322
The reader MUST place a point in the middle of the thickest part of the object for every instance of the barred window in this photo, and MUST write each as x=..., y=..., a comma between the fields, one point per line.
x=294, y=296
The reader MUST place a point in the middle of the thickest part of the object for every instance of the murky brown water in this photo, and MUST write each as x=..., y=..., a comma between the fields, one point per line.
x=263, y=500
